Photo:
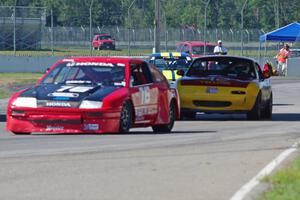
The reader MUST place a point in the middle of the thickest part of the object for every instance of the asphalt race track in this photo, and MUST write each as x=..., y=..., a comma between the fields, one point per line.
x=209, y=158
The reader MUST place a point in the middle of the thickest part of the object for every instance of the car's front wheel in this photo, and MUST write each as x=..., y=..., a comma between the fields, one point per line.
x=167, y=128
x=267, y=113
x=256, y=111
x=125, y=118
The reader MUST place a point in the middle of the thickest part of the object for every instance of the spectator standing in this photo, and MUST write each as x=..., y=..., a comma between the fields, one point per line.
x=219, y=49
x=282, y=57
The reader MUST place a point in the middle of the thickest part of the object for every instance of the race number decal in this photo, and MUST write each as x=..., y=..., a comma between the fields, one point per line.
x=64, y=88
x=79, y=89
x=145, y=95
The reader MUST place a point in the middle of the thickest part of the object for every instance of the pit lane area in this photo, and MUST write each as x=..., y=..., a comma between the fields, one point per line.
x=207, y=158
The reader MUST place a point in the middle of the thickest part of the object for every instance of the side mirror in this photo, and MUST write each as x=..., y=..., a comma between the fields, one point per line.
x=180, y=72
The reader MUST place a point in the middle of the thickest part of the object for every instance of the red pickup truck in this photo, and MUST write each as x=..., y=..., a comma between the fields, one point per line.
x=103, y=41
x=195, y=48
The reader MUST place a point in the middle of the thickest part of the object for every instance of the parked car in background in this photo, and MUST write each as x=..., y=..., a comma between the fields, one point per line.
x=225, y=84
x=103, y=41
x=169, y=62
x=95, y=95
x=195, y=48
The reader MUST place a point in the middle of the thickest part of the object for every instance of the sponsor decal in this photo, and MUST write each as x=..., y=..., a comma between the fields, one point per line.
x=71, y=88
x=223, y=83
x=57, y=104
x=80, y=89
x=91, y=127
x=61, y=98
x=54, y=128
x=68, y=60
x=72, y=64
x=63, y=94
x=145, y=92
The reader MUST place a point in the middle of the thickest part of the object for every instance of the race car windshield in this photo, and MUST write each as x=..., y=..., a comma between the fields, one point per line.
x=87, y=73
x=171, y=64
x=199, y=50
x=235, y=68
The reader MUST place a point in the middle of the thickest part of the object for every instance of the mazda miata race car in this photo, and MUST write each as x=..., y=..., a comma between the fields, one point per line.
x=95, y=95
x=225, y=84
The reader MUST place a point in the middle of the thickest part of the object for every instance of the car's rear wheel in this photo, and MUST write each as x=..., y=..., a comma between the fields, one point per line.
x=167, y=128
x=267, y=113
x=125, y=118
x=21, y=133
x=256, y=111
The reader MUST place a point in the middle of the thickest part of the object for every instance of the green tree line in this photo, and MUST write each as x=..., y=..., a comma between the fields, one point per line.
x=258, y=14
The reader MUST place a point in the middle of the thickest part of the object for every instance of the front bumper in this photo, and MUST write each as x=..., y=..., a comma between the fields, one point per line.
x=227, y=99
x=75, y=121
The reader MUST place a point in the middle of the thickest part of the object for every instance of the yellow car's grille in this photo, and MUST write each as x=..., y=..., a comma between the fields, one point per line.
x=212, y=103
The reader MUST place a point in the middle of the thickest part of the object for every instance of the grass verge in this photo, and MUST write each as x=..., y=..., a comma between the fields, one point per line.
x=285, y=183
x=12, y=82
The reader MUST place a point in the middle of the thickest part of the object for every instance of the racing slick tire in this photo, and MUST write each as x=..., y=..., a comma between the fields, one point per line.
x=267, y=112
x=187, y=115
x=167, y=128
x=256, y=112
x=125, y=118
x=21, y=133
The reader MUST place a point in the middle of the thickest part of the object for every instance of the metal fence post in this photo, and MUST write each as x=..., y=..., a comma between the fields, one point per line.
x=129, y=25
x=14, y=15
x=52, y=51
x=205, y=25
x=91, y=37
x=242, y=25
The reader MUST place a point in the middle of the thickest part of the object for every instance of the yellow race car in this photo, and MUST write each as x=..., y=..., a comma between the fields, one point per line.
x=225, y=84
x=170, y=62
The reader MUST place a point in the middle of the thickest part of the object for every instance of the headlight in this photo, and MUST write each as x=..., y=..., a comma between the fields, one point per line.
x=25, y=102
x=90, y=104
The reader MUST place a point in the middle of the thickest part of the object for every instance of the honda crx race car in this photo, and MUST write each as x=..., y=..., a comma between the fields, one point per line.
x=95, y=95
x=225, y=84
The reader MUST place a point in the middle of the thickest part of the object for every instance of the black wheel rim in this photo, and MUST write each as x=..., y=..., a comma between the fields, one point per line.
x=125, y=118
x=172, y=116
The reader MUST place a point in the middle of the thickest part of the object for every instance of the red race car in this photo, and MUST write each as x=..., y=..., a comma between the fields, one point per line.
x=103, y=41
x=195, y=48
x=95, y=95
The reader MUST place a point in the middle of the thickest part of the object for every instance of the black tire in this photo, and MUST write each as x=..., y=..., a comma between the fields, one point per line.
x=167, y=128
x=125, y=118
x=21, y=133
x=256, y=112
x=267, y=113
x=187, y=115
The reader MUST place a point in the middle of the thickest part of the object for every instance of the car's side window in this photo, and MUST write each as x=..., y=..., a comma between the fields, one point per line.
x=158, y=77
x=140, y=74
